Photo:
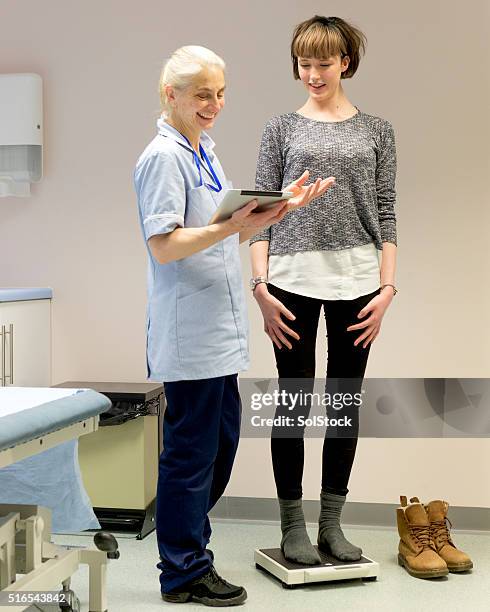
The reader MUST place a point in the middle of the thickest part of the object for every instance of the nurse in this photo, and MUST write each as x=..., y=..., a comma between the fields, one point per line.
x=196, y=317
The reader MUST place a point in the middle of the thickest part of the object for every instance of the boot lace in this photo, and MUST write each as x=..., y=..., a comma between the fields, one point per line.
x=216, y=578
x=440, y=531
x=422, y=535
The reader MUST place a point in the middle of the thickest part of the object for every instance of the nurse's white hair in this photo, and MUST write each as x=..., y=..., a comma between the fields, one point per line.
x=182, y=67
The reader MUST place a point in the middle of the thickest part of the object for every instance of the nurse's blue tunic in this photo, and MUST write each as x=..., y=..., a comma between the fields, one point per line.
x=197, y=324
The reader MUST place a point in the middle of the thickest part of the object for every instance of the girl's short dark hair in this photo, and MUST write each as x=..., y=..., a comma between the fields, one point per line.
x=324, y=37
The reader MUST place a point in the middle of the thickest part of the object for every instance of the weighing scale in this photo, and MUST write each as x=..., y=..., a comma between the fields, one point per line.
x=272, y=561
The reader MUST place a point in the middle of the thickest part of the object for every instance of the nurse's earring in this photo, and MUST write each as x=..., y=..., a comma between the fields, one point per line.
x=170, y=96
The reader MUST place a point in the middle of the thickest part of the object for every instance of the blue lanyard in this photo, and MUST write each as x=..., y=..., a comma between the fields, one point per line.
x=217, y=187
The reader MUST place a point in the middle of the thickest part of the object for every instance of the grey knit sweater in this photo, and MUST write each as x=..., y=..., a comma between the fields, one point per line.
x=358, y=209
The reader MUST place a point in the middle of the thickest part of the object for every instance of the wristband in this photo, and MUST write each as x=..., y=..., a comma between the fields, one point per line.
x=256, y=281
x=395, y=290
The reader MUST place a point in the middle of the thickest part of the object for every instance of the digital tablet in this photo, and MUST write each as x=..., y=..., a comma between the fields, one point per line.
x=235, y=199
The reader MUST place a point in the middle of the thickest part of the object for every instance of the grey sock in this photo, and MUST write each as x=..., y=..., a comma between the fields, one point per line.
x=295, y=543
x=330, y=536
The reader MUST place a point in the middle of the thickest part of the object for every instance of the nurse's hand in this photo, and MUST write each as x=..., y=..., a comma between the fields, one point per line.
x=272, y=311
x=246, y=220
x=304, y=195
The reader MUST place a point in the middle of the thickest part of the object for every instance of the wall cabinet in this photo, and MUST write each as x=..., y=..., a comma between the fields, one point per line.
x=25, y=343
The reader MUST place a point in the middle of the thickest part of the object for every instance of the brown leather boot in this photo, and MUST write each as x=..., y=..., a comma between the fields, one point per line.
x=456, y=560
x=416, y=552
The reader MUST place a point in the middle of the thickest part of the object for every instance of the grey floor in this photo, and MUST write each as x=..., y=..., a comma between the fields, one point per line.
x=133, y=579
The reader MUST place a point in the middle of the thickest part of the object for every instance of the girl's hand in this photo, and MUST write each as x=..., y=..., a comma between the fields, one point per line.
x=272, y=309
x=376, y=308
x=304, y=195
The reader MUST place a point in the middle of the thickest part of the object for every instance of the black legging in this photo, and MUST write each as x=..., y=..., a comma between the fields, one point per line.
x=345, y=361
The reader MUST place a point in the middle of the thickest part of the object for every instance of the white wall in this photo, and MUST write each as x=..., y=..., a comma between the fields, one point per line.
x=426, y=71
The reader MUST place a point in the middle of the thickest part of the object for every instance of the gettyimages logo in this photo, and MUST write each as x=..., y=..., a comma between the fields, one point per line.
x=281, y=397
x=377, y=407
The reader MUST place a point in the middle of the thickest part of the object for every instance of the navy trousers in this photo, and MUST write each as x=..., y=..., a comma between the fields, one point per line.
x=201, y=429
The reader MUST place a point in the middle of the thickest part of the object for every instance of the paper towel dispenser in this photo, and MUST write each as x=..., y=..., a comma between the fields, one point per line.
x=21, y=133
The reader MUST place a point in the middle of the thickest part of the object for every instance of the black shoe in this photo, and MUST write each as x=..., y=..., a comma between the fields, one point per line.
x=210, y=590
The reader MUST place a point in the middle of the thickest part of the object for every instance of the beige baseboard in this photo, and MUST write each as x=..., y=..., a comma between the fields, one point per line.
x=354, y=513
